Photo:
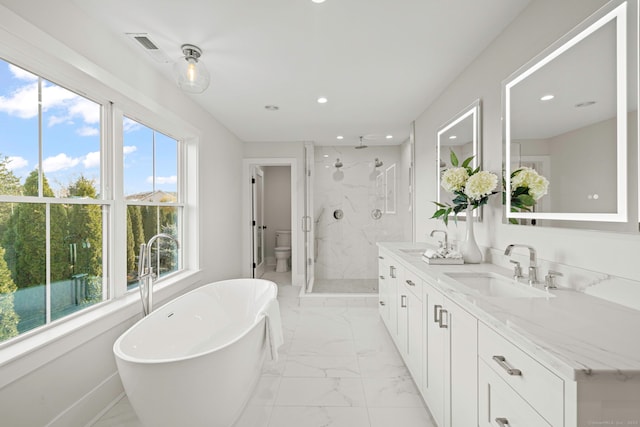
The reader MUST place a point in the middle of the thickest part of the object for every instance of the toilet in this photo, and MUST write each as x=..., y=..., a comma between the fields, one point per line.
x=283, y=250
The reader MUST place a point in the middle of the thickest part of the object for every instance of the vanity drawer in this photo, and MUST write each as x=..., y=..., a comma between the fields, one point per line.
x=412, y=282
x=541, y=388
x=499, y=405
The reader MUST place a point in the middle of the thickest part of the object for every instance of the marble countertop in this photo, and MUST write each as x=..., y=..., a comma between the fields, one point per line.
x=578, y=336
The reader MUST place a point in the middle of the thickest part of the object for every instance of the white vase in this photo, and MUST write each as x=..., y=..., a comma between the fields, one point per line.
x=470, y=251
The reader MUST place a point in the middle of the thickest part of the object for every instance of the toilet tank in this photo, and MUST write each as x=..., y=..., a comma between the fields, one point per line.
x=283, y=238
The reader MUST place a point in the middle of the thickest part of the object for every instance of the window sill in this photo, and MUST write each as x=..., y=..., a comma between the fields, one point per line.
x=25, y=353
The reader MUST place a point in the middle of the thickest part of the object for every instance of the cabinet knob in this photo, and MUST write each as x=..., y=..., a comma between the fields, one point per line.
x=382, y=303
x=502, y=361
x=410, y=282
x=502, y=422
x=382, y=277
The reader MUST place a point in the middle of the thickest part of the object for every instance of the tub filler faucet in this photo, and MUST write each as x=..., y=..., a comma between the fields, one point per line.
x=145, y=271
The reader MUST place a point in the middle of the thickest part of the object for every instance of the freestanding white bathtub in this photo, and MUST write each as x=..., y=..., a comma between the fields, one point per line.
x=195, y=361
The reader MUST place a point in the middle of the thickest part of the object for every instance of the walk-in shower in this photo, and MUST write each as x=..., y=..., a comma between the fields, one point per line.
x=366, y=203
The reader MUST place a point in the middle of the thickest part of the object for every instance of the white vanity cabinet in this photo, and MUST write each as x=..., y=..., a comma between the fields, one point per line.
x=387, y=290
x=450, y=382
x=411, y=322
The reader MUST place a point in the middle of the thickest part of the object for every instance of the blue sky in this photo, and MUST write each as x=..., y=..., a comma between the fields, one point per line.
x=71, y=137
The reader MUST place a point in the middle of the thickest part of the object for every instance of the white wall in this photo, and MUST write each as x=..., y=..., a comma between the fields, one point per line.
x=67, y=381
x=277, y=205
x=540, y=24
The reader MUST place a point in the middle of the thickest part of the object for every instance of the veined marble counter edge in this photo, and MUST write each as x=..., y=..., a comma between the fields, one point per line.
x=570, y=333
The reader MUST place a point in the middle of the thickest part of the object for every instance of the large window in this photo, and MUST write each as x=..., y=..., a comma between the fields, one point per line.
x=55, y=213
x=151, y=193
x=51, y=218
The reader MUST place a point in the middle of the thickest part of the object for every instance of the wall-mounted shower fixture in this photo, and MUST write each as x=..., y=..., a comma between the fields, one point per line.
x=337, y=164
x=378, y=162
x=361, y=145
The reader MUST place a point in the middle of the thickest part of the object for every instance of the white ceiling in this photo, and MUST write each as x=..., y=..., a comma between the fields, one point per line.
x=379, y=62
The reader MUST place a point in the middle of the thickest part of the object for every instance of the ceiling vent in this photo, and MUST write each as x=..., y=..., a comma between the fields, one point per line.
x=142, y=39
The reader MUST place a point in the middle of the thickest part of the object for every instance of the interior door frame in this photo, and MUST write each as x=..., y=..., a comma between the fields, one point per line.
x=257, y=220
x=246, y=232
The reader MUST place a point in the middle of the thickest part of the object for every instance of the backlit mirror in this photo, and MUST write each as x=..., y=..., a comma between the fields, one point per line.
x=569, y=117
x=461, y=135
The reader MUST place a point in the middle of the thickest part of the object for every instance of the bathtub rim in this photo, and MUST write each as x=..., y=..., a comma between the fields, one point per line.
x=120, y=355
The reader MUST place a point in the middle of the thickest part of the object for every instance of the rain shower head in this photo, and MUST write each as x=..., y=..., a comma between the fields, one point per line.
x=378, y=162
x=358, y=147
x=338, y=164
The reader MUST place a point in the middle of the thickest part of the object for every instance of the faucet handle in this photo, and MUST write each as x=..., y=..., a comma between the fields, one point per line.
x=517, y=270
x=550, y=279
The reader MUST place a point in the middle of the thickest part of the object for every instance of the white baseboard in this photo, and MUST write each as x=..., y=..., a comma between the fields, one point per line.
x=83, y=412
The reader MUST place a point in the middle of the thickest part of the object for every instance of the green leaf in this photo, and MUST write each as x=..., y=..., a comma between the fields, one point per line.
x=442, y=205
x=454, y=158
x=467, y=161
x=438, y=213
x=526, y=200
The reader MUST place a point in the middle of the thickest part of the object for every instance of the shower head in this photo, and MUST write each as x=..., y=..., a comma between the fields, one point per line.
x=378, y=162
x=361, y=145
x=338, y=164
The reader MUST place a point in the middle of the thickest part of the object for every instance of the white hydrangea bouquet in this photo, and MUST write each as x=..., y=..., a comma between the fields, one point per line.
x=527, y=187
x=471, y=187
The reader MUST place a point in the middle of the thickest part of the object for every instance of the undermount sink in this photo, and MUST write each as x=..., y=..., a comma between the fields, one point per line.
x=496, y=285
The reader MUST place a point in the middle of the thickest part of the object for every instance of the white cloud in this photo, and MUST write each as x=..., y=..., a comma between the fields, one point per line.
x=162, y=180
x=91, y=160
x=21, y=74
x=60, y=104
x=166, y=179
x=87, y=131
x=16, y=162
x=59, y=162
x=128, y=149
x=129, y=125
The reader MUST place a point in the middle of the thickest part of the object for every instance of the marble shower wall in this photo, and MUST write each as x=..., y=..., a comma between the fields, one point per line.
x=346, y=248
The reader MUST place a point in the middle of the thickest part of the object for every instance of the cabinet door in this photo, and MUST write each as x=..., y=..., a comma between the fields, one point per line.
x=402, y=304
x=500, y=405
x=434, y=366
x=393, y=299
x=415, y=337
x=462, y=410
x=383, y=289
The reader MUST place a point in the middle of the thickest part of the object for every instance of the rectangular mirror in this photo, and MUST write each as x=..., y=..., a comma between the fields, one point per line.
x=567, y=130
x=461, y=135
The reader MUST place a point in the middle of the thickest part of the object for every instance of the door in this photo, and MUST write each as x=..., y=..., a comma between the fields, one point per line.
x=307, y=230
x=257, y=222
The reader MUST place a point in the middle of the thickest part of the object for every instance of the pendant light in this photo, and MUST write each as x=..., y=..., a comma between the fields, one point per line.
x=191, y=74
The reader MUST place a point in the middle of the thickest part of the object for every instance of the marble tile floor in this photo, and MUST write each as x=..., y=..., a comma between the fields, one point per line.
x=337, y=368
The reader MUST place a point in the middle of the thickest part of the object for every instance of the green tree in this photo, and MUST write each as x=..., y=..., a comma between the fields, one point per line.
x=131, y=251
x=85, y=230
x=27, y=239
x=8, y=317
x=9, y=185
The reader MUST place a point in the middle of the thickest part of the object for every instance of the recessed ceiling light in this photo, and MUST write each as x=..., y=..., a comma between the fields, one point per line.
x=271, y=107
x=339, y=137
x=325, y=156
x=547, y=97
x=318, y=1
x=322, y=100
x=452, y=137
x=585, y=104
x=389, y=136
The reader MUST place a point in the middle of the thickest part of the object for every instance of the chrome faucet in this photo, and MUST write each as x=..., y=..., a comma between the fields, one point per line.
x=145, y=271
x=533, y=266
x=446, y=238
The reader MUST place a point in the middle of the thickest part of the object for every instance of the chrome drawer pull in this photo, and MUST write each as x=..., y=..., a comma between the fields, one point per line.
x=380, y=257
x=443, y=313
x=502, y=422
x=392, y=272
x=504, y=365
x=382, y=277
x=403, y=301
x=410, y=283
x=436, y=312
x=382, y=303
